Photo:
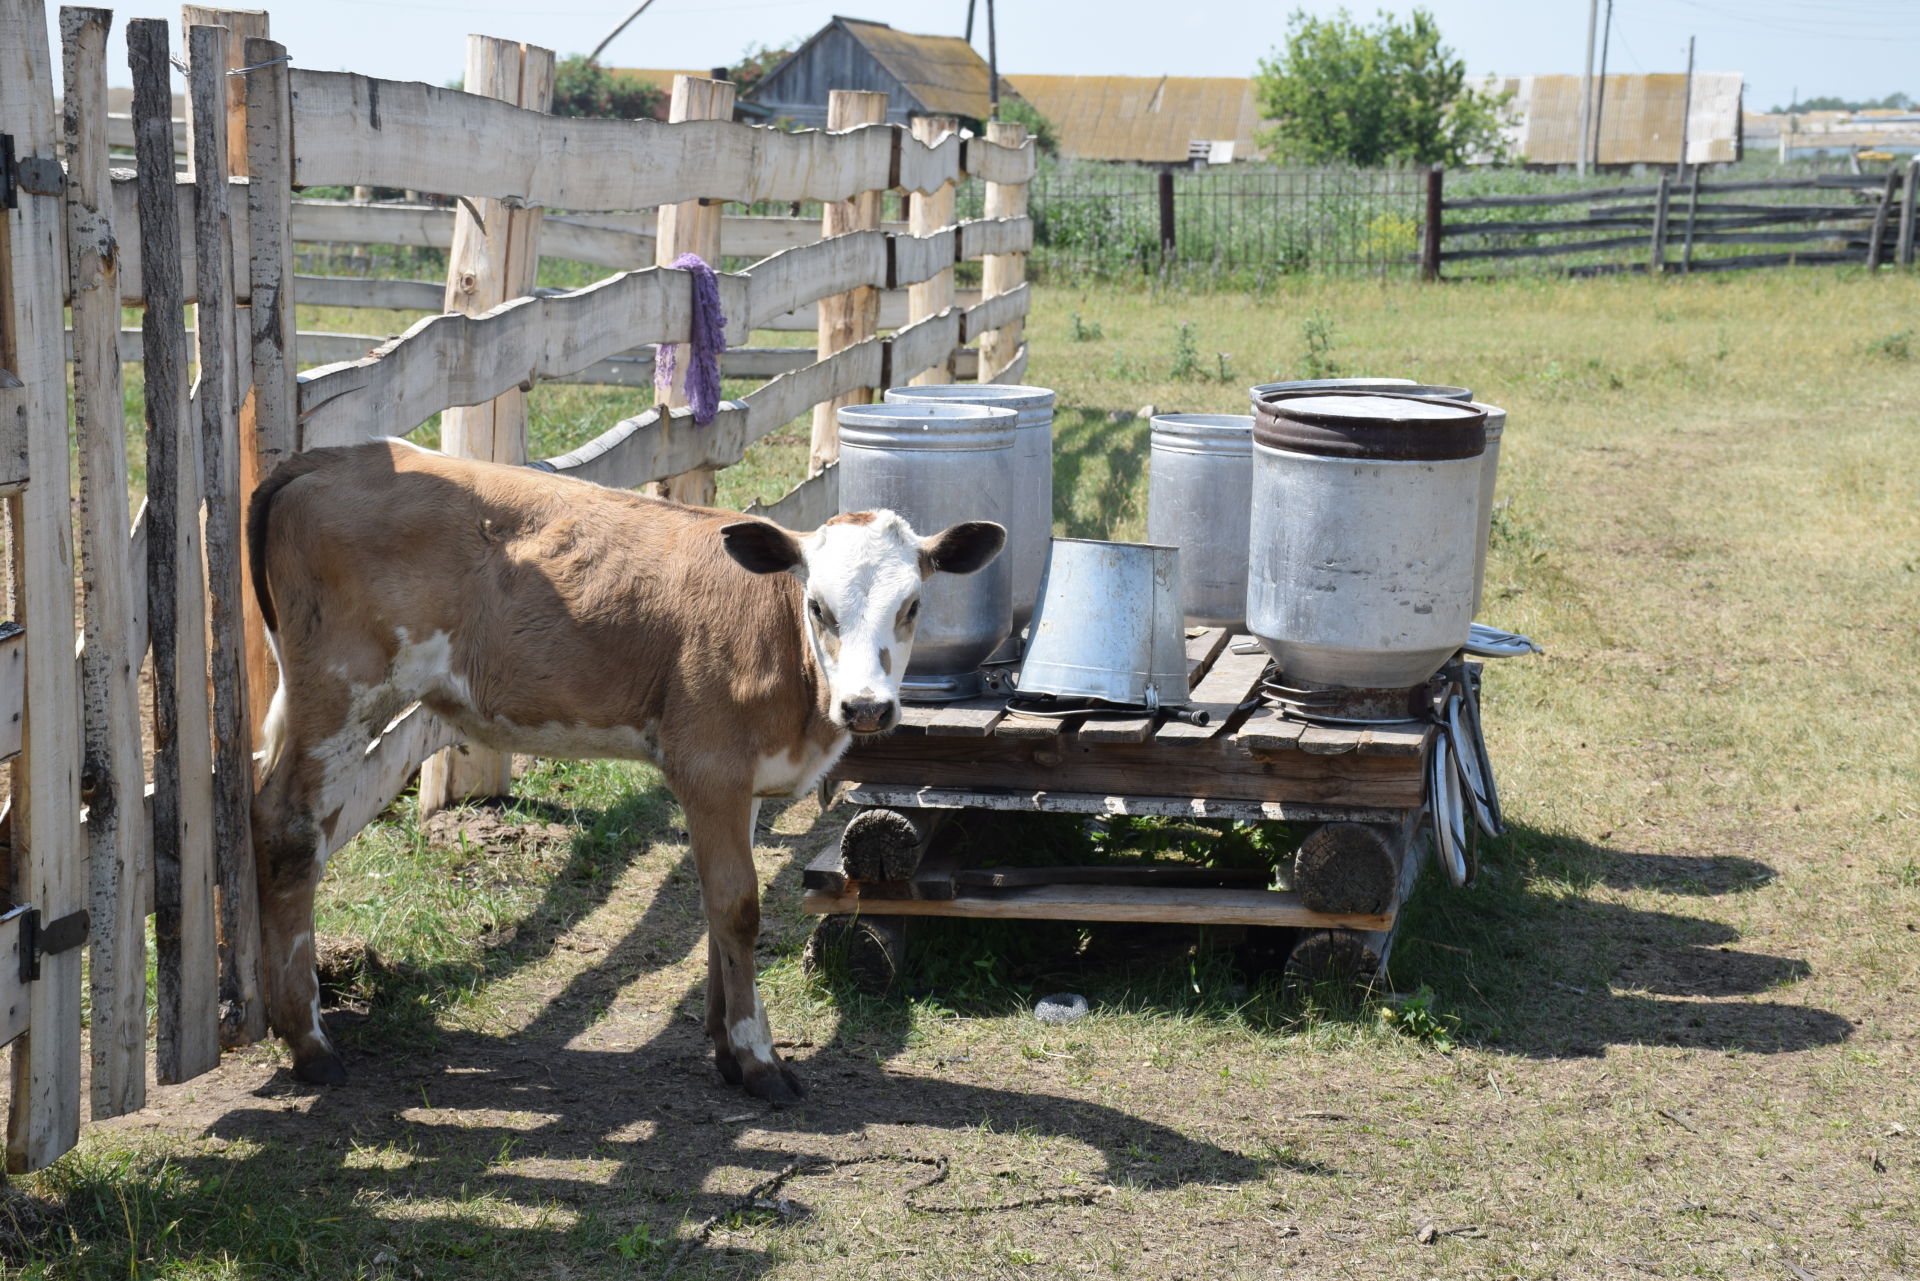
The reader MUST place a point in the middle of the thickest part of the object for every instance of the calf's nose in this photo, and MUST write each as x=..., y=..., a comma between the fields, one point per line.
x=865, y=714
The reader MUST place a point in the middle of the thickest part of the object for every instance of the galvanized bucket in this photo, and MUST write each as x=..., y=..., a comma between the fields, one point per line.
x=1030, y=514
x=1108, y=625
x=1392, y=386
x=936, y=465
x=1199, y=497
x=1489, y=472
x=1363, y=533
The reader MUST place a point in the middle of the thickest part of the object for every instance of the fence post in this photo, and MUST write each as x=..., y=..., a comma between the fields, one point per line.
x=45, y=1116
x=113, y=772
x=1430, y=241
x=1907, y=212
x=1166, y=213
x=1877, y=237
x=1693, y=210
x=243, y=1014
x=495, y=256
x=245, y=25
x=690, y=227
x=183, y=858
x=1003, y=273
x=927, y=213
x=854, y=316
x=1657, y=262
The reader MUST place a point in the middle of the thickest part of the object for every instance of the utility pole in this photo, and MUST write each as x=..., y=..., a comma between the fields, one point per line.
x=1686, y=109
x=1586, y=82
x=993, y=66
x=1600, y=94
x=970, y=8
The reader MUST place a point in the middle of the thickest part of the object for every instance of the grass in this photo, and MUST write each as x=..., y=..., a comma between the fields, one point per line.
x=1669, y=1034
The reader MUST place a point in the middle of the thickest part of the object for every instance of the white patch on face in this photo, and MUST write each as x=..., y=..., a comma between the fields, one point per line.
x=752, y=1035
x=863, y=574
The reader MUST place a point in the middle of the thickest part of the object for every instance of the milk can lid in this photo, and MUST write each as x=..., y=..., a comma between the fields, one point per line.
x=1376, y=425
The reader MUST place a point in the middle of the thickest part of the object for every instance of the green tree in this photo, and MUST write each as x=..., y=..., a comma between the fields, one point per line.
x=754, y=65
x=582, y=88
x=1392, y=92
x=1892, y=102
x=1017, y=109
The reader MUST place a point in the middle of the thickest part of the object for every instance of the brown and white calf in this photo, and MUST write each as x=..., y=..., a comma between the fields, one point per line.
x=546, y=615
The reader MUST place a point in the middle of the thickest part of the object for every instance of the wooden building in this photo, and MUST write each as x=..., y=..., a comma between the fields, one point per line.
x=921, y=75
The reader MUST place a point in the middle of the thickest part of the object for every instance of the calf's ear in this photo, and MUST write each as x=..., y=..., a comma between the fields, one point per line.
x=962, y=548
x=761, y=547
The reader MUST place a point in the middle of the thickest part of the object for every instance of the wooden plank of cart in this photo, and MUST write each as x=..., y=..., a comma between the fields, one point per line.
x=1363, y=787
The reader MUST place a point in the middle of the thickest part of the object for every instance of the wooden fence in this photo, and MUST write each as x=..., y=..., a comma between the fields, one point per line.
x=94, y=842
x=1824, y=219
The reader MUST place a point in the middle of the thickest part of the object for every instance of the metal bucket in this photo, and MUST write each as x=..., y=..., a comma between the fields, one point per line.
x=936, y=465
x=1198, y=499
x=1364, y=508
x=1030, y=517
x=1489, y=472
x=1108, y=625
x=1393, y=386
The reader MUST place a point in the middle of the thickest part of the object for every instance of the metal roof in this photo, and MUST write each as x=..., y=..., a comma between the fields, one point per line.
x=1639, y=118
x=944, y=73
x=1145, y=118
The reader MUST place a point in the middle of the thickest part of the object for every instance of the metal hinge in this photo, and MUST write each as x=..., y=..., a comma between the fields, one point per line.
x=36, y=175
x=37, y=940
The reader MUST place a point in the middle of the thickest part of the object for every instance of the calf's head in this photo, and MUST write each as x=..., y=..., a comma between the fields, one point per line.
x=860, y=577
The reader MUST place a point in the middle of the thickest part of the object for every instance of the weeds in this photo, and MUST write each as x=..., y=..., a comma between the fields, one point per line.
x=1316, y=333
x=1186, y=355
x=1419, y=1017
x=1082, y=331
x=1894, y=346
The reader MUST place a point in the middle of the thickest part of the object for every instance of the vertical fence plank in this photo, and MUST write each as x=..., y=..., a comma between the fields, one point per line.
x=1657, y=260
x=690, y=228
x=1693, y=212
x=495, y=256
x=244, y=25
x=1907, y=212
x=45, y=1115
x=1003, y=273
x=848, y=318
x=1436, y=209
x=928, y=212
x=243, y=1016
x=1876, y=239
x=184, y=923
x=112, y=774
x=273, y=404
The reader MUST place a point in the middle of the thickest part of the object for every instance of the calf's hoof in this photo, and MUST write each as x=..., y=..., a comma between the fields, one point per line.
x=728, y=1065
x=777, y=1085
x=324, y=1070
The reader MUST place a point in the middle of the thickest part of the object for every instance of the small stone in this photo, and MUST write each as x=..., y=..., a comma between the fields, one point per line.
x=1145, y=411
x=1428, y=1234
x=1061, y=1007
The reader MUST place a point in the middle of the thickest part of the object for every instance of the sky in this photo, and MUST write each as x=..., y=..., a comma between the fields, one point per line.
x=1846, y=48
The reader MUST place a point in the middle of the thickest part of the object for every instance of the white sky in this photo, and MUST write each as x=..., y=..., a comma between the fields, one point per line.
x=1851, y=48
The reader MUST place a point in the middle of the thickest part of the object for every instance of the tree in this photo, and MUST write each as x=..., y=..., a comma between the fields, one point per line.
x=1018, y=110
x=582, y=88
x=1892, y=102
x=754, y=64
x=1343, y=92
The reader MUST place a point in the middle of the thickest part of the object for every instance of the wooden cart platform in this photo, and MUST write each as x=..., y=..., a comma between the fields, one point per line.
x=1363, y=786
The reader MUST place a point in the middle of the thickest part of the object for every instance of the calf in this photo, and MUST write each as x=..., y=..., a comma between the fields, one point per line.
x=546, y=615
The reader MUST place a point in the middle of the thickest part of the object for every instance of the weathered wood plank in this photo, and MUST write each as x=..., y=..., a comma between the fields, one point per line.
x=47, y=843
x=1002, y=157
x=1117, y=729
x=113, y=768
x=363, y=291
x=1029, y=801
x=1329, y=740
x=13, y=691
x=967, y=718
x=924, y=261
x=242, y=1002
x=924, y=345
x=356, y=129
x=982, y=237
x=894, y=312
x=1404, y=739
x=385, y=770
x=806, y=506
x=1013, y=372
x=273, y=407
x=854, y=316
x=1204, y=650
x=1220, y=693
x=15, y=1009
x=920, y=260
x=995, y=313
x=1269, y=730
x=1175, y=904
x=793, y=278
x=786, y=398
x=183, y=855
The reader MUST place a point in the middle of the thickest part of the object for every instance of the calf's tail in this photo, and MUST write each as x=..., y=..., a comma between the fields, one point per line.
x=259, y=517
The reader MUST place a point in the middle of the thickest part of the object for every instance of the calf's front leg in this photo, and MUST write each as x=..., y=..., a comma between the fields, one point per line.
x=287, y=860
x=721, y=829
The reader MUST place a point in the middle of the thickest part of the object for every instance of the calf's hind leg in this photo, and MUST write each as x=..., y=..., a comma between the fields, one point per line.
x=289, y=855
x=721, y=829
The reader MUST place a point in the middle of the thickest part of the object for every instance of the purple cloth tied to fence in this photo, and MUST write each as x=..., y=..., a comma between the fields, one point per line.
x=709, y=339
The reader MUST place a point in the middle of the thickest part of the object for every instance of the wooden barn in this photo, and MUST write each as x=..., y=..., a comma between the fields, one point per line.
x=921, y=75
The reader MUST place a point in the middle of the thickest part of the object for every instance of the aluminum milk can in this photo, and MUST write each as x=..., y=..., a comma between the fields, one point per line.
x=1489, y=471
x=1108, y=626
x=935, y=465
x=1030, y=517
x=1364, y=522
x=1394, y=386
x=1199, y=498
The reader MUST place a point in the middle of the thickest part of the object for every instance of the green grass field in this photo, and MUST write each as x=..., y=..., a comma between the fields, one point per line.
x=1670, y=1033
